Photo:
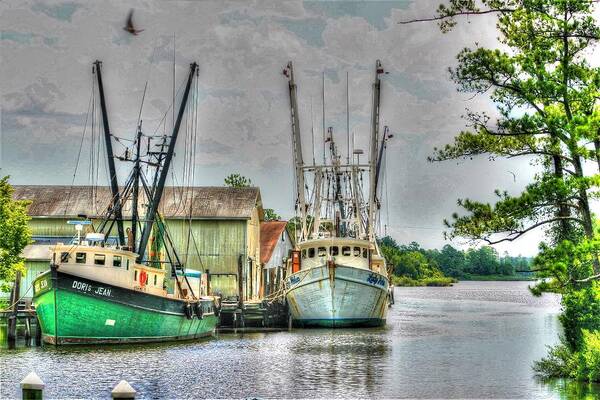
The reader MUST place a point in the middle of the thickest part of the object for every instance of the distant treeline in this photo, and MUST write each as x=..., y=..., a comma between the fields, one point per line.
x=415, y=262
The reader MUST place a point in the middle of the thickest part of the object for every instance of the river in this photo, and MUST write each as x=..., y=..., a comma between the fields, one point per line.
x=473, y=340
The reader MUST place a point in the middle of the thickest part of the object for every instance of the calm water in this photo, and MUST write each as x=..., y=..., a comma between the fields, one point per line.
x=474, y=340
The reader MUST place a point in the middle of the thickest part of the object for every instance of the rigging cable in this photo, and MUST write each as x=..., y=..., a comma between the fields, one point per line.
x=80, y=148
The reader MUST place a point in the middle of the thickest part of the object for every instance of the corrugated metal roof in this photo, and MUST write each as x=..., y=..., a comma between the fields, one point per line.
x=207, y=201
x=270, y=234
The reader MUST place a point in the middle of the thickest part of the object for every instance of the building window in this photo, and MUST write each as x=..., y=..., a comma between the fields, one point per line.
x=64, y=257
x=357, y=252
x=99, y=259
x=311, y=252
x=334, y=250
x=80, y=258
x=116, y=261
x=346, y=251
x=322, y=252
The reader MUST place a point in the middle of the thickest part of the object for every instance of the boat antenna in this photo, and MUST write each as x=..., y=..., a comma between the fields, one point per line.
x=324, y=131
x=347, y=119
x=173, y=107
x=312, y=130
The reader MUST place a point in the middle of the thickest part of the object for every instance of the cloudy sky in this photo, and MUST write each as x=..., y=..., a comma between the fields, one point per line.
x=243, y=110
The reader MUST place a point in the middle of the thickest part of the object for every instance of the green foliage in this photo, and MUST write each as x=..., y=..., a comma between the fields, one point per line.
x=563, y=362
x=237, y=180
x=559, y=363
x=589, y=357
x=581, y=312
x=271, y=215
x=406, y=281
x=14, y=234
x=413, y=263
x=546, y=94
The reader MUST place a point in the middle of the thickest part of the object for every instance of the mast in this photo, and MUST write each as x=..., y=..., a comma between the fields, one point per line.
x=136, y=183
x=158, y=190
x=297, y=145
x=373, y=150
x=114, y=185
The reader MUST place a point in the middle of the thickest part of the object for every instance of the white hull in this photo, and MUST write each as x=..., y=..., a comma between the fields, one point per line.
x=337, y=296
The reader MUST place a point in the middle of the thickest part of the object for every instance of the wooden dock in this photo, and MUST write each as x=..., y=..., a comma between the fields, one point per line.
x=265, y=314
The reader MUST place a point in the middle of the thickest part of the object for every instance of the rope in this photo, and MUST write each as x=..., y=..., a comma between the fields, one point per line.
x=17, y=302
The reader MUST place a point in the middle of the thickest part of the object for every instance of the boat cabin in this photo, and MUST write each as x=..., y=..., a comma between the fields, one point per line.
x=343, y=251
x=110, y=265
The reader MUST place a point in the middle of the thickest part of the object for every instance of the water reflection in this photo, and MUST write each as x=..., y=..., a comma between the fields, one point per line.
x=474, y=340
x=573, y=390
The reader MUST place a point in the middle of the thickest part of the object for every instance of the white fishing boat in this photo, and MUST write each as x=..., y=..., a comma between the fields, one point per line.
x=337, y=276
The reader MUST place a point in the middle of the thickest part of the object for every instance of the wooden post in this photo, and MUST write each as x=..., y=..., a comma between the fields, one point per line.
x=28, y=331
x=12, y=319
x=123, y=390
x=38, y=332
x=240, y=281
x=32, y=387
x=208, y=282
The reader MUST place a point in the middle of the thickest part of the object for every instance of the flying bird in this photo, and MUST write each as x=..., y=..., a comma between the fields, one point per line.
x=129, y=24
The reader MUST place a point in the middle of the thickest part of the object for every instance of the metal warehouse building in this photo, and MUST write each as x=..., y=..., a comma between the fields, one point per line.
x=224, y=235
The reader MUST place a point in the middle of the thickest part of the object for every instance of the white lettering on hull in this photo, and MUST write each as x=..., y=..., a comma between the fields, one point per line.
x=86, y=287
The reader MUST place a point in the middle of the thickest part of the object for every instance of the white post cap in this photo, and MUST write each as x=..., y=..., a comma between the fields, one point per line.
x=123, y=391
x=32, y=381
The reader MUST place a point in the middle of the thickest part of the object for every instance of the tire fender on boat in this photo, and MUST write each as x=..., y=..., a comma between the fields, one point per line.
x=198, y=310
x=188, y=311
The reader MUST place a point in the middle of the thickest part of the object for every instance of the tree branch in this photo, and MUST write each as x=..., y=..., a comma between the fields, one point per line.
x=462, y=13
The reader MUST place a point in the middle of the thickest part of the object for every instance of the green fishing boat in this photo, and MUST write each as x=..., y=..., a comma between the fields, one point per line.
x=103, y=288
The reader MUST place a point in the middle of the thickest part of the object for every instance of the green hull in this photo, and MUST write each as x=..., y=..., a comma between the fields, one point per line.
x=72, y=310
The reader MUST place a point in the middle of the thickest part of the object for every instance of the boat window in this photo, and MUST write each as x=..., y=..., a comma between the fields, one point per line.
x=346, y=251
x=80, y=258
x=116, y=261
x=155, y=279
x=357, y=252
x=364, y=251
x=322, y=252
x=135, y=275
x=311, y=252
x=127, y=264
x=99, y=259
x=304, y=253
x=64, y=257
x=334, y=250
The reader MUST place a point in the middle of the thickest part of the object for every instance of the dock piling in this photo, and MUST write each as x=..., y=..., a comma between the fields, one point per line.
x=123, y=390
x=32, y=387
x=38, y=332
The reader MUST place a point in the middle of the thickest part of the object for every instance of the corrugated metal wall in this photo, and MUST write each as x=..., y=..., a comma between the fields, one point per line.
x=217, y=245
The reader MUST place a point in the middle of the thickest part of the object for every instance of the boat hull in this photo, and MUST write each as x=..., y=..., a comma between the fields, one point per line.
x=73, y=310
x=337, y=297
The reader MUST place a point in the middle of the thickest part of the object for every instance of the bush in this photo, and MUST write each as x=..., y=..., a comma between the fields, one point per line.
x=589, y=357
x=561, y=362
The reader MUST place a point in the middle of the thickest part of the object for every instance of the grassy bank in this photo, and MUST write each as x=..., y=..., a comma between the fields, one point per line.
x=496, y=277
x=406, y=281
